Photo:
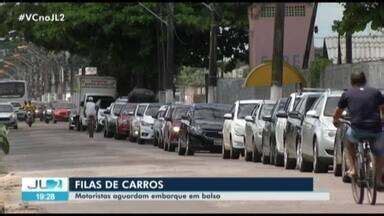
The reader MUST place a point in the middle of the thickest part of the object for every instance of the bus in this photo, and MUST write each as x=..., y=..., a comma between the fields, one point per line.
x=14, y=91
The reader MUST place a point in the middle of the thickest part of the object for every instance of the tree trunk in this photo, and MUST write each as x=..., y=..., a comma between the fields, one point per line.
x=278, y=53
x=212, y=57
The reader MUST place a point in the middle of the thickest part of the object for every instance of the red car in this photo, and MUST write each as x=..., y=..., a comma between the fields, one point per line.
x=62, y=111
x=124, y=120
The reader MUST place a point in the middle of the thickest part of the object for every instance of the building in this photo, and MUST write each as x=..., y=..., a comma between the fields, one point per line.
x=261, y=31
x=365, y=48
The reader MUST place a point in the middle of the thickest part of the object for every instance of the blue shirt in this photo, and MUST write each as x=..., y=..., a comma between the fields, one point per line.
x=363, y=104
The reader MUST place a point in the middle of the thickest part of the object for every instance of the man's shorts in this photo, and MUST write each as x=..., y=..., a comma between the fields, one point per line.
x=355, y=135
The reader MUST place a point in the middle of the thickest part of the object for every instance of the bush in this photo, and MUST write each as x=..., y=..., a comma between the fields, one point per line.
x=317, y=67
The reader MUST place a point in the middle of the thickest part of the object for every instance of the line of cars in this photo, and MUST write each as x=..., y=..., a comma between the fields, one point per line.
x=295, y=132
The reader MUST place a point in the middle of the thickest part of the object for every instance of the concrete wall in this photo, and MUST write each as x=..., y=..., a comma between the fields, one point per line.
x=230, y=90
x=338, y=76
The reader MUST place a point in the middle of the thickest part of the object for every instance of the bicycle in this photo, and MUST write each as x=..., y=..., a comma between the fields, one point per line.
x=91, y=125
x=366, y=176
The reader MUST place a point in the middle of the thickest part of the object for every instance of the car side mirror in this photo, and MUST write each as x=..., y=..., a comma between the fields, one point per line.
x=313, y=114
x=248, y=118
x=228, y=116
x=267, y=118
x=107, y=112
x=82, y=103
x=282, y=114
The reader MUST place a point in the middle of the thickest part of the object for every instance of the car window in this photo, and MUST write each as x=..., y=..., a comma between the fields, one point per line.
x=179, y=112
x=152, y=110
x=117, y=108
x=6, y=108
x=310, y=101
x=318, y=104
x=266, y=109
x=331, y=105
x=209, y=113
x=141, y=110
x=245, y=110
x=301, y=105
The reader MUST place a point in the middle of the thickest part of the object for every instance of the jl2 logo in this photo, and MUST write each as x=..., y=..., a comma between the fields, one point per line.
x=49, y=184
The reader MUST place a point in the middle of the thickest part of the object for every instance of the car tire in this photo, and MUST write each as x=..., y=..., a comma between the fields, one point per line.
x=302, y=164
x=180, y=150
x=15, y=127
x=289, y=163
x=99, y=128
x=256, y=156
x=140, y=141
x=318, y=167
x=235, y=154
x=171, y=148
x=264, y=158
x=247, y=155
x=189, y=149
x=279, y=158
x=226, y=154
x=344, y=168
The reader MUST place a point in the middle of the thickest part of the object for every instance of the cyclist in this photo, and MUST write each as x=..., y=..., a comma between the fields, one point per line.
x=90, y=113
x=365, y=105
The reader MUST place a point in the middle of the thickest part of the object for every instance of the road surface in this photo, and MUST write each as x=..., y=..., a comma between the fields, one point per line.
x=51, y=150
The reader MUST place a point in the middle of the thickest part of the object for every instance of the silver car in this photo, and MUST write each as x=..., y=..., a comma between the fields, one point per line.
x=8, y=116
x=253, y=130
x=158, y=125
x=135, y=124
x=318, y=132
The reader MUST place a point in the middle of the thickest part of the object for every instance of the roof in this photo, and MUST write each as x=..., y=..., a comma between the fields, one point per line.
x=249, y=101
x=364, y=48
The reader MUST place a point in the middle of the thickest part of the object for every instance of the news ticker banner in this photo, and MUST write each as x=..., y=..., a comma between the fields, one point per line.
x=214, y=189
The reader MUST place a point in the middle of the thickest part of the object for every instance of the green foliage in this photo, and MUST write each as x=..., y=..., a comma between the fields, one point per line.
x=357, y=16
x=190, y=76
x=317, y=67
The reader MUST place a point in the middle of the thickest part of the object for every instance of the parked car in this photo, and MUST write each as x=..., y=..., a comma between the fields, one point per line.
x=158, y=125
x=19, y=112
x=201, y=128
x=8, y=116
x=318, y=132
x=172, y=126
x=146, y=132
x=123, y=121
x=62, y=111
x=135, y=123
x=293, y=132
x=110, y=120
x=269, y=152
x=102, y=103
x=234, y=128
x=254, y=129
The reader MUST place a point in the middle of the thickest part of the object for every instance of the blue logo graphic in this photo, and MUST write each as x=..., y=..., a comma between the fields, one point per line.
x=49, y=184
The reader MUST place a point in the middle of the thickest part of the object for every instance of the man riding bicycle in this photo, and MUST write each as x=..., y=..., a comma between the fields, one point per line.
x=365, y=105
x=90, y=113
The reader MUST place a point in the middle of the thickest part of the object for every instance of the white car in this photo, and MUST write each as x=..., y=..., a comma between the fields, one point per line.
x=135, y=124
x=146, y=131
x=234, y=128
x=254, y=131
x=318, y=132
x=8, y=115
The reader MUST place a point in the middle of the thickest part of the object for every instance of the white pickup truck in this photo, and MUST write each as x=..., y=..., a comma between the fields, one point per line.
x=97, y=87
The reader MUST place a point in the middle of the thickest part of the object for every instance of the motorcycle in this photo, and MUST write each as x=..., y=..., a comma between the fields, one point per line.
x=48, y=115
x=29, y=119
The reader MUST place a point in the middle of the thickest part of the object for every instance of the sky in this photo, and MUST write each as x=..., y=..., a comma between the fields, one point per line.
x=326, y=14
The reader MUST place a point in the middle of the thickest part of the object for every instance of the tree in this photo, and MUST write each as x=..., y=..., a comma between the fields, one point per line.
x=317, y=67
x=357, y=16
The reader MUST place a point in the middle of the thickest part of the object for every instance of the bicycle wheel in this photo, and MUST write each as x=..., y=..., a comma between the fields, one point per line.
x=357, y=181
x=370, y=165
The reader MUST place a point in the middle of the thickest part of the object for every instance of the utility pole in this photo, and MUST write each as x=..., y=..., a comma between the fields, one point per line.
x=170, y=54
x=212, y=78
x=278, y=51
x=310, y=37
x=338, y=49
x=348, y=48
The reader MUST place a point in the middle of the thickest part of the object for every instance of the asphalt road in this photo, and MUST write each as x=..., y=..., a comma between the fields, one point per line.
x=54, y=151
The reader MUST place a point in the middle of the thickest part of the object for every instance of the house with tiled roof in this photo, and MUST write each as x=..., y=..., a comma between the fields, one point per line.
x=365, y=48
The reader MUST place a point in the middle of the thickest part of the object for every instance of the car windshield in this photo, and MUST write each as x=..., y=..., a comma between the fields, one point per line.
x=129, y=108
x=330, y=106
x=266, y=109
x=15, y=104
x=210, y=113
x=141, y=109
x=245, y=110
x=6, y=108
x=179, y=112
x=152, y=110
x=117, y=109
x=103, y=101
